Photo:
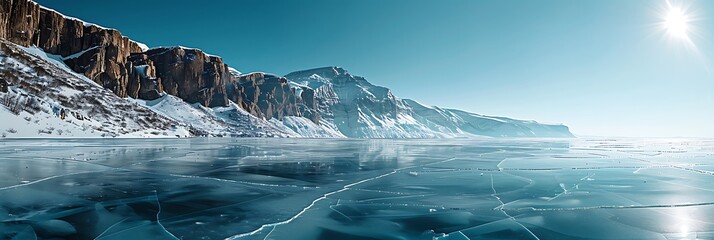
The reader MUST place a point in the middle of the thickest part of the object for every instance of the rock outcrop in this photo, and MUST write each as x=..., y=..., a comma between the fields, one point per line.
x=130, y=69
x=98, y=53
x=270, y=96
x=197, y=77
x=143, y=82
x=186, y=73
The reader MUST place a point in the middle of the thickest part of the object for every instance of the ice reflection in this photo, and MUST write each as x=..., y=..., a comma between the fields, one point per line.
x=356, y=189
x=683, y=224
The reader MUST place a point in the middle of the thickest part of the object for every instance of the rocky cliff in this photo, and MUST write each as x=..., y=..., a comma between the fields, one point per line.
x=130, y=69
x=186, y=73
x=98, y=53
x=271, y=96
x=197, y=77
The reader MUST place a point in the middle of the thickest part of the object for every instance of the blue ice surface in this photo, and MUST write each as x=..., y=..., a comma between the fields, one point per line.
x=223, y=188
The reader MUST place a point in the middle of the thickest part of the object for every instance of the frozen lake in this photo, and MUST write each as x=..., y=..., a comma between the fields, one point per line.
x=357, y=189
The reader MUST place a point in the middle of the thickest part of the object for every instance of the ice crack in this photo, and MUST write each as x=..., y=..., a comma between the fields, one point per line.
x=324, y=196
x=500, y=208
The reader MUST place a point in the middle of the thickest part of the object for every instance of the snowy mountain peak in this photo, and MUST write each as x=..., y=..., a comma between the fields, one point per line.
x=322, y=72
x=358, y=108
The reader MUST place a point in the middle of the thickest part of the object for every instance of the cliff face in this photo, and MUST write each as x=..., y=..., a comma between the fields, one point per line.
x=96, y=52
x=197, y=77
x=270, y=96
x=129, y=69
x=186, y=73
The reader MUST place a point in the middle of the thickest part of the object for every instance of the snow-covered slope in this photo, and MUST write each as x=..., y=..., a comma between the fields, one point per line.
x=233, y=121
x=306, y=128
x=360, y=109
x=456, y=122
x=245, y=124
x=45, y=99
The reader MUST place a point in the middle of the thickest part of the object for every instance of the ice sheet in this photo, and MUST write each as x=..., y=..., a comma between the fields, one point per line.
x=209, y=188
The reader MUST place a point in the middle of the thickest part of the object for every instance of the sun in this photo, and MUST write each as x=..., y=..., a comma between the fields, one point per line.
x=676, y=22
x=677, y=19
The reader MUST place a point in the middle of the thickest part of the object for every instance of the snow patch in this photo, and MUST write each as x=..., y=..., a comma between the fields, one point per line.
x=234, y=72
x=306, y=128
x=79, y=54
x=143, y=46
x=57, y=61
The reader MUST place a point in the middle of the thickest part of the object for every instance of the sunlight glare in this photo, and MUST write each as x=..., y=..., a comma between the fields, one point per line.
x=676, y=23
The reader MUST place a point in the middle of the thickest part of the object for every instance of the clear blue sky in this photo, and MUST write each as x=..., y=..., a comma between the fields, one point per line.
x=604, y=67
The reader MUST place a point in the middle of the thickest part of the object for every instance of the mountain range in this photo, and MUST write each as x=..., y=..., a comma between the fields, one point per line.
x=63, y=77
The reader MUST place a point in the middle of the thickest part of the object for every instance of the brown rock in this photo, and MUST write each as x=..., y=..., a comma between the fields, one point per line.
x=186, y=73
x=20, y=20
x=102, y=52
x=143, y=83
x=272, y=96
x=119, y=64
